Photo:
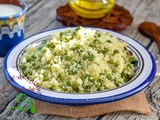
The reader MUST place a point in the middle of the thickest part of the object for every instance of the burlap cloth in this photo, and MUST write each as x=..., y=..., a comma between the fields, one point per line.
x=137, y=103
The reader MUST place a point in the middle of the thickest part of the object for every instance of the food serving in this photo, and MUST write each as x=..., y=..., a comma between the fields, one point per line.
x=83, y=60
x=144, y=66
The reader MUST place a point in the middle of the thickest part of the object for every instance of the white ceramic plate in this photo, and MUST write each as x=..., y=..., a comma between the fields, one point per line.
x=144, y=74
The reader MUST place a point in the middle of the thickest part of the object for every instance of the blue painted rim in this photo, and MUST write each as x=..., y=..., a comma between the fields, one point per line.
x=79, y=102
x=16, y=15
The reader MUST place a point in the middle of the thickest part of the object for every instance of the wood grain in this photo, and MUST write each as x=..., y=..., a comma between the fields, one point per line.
x=41, y=16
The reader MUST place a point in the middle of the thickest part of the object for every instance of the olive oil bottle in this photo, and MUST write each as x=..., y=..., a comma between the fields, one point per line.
x=91, y=8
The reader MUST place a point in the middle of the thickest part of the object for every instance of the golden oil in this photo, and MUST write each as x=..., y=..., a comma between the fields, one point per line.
x=91, y=8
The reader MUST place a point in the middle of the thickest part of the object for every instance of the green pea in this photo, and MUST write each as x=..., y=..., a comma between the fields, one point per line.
x=28, y=58
x=97, y=34
x=23, y=67
x=68, y=57
x=109, y=41
x=96, y=41
x=114, y=70
x=85, y=57
x=61, y=34
x=78, y=28
x=105, y=50
x=115, y=52
x=68, y=83
x=45, y=79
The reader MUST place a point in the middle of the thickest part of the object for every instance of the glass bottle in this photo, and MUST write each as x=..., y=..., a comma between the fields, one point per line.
x=91, y=8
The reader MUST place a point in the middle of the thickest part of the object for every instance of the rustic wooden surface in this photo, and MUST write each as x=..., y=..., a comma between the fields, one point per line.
x=41, y=16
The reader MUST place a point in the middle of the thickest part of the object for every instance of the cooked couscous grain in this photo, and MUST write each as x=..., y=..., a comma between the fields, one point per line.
x=83, y=60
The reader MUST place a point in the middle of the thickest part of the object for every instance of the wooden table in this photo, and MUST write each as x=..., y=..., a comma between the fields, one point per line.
x=41, y=16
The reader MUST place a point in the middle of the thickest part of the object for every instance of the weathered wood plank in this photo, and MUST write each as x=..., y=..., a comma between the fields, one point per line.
x=31, y=3
x=41, y=16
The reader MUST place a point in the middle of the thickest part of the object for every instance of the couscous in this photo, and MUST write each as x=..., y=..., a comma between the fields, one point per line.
x=83, y=60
